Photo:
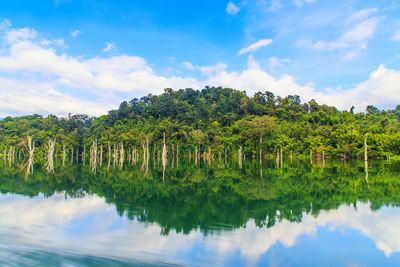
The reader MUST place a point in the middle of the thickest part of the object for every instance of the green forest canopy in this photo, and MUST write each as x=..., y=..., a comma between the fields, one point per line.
x=218, y=119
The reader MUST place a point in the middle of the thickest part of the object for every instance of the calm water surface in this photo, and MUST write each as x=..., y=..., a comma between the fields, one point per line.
x=296, y=214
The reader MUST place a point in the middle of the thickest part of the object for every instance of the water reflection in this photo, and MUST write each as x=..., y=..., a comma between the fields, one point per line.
x=212, y=215
x=89, y=226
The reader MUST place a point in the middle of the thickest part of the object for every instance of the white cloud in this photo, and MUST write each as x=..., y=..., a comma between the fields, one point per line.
x=109, y=47
x=275, y=62
x=381, y=89
x=351, y=55
x=361, y=31
x=29, y=97
x=232, y=9
x=5, y=24
x=75, y=33
x=212, y=70
x=14, y=35
x=396, y=36
x=188, y=65
x=253, y=47
x=64, y=79
x=119, y=73
x=56, y=42
x=253, y=80
x=134, y=75
x=252, y=64
x=357, y=36
x=364, y=13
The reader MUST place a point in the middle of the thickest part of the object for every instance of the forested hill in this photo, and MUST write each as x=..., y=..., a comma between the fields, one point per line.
x=217, y=120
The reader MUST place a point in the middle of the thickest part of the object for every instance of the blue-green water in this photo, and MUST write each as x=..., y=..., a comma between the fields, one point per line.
x=296, y=214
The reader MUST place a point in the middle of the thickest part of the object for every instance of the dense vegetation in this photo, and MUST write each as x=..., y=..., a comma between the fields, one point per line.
x=218, y=119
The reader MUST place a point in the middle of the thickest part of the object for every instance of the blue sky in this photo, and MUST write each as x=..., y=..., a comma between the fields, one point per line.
x=64, y=56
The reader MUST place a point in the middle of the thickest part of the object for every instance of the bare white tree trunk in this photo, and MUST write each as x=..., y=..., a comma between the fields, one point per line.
x=277, y=158
x=195, y=155
x=209, y=156
x=260, y=148
x=109, y=154
x=101, y=155
x=50, y=156
x=365, y=148
x=72, y=154
x=114, y=156
x=93, y=156
x=64, y=155
x=83, y=154
x=164, y=157
x=31, y=149
x=147, y=154
x=121, y=155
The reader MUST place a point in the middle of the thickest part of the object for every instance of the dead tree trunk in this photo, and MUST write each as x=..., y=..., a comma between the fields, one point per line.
x=114, y=156
x=260, y=148
x=83, y=154
x=195, y=155
x=209, y=156
x=164, y=157
x=173, y=156
x=72, y=154
x=366, y=148
x=101, y=155
x=64, y=154
x=31, y=148
x=121, y=155
x=109, y=154
x=50, y=156
x=147, y=153
x=93, y=156
x=277, y=158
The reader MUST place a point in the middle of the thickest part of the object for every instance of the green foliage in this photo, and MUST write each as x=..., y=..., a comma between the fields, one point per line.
x=218, y=118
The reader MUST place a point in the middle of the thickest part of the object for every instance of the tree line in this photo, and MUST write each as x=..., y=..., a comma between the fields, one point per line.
x=211, y=122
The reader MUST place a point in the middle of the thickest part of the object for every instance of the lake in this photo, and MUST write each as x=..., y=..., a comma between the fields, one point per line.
x=332, y=213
